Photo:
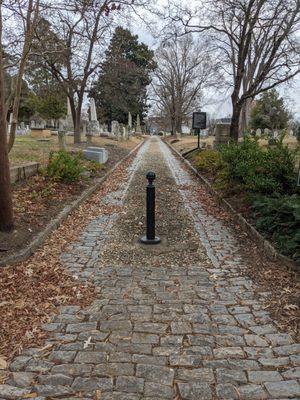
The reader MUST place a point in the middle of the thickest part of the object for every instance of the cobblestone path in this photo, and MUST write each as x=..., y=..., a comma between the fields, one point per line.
x=175, y=321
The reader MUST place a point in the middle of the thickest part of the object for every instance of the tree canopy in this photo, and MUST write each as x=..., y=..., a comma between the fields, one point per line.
x=269, y=112
x=121, y=86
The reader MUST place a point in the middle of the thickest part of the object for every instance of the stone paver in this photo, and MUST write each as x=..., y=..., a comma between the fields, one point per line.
x=178, y=321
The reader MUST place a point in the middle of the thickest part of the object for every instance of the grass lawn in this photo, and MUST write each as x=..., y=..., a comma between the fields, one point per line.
x=28, y=149
x=186, y=143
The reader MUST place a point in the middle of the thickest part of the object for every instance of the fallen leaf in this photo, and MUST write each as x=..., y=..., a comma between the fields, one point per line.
x=87, y=342
x=30, y=395
x=3, y=363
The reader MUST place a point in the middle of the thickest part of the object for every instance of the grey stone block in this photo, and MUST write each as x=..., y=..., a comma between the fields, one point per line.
x=130, y=384
x=98, y=154
x=195, y=391
x=158, y=374
x=283, y=389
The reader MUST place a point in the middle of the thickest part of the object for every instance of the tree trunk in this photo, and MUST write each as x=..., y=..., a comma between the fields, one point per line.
x=178, y=125
x=31, y=10
x=6, y=209
x=77, y=135
x=173, y=130
x=77, y=132
x=235, y=121
x=244, y=118
x=17, y=96
x=76, y=114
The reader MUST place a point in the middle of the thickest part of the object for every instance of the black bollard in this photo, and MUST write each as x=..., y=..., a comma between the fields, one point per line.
x=150, y=237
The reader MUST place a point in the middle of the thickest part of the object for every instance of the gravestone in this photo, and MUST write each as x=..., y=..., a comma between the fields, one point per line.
x=138, y=128
x=267, y=132
x=222, y=134
x=93, y=127
x=61, y=136
x=129, y=123
x=258, y=132
x=98, y=154
x=69, y=119
x=125, y=133
x=115, y=128
x=10, y=122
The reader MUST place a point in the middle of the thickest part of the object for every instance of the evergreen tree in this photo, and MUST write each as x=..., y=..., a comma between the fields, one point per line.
x=269, y=112
x=125, y=74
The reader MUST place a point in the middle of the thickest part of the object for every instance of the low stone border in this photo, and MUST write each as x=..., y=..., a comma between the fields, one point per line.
x=21, y=172
x=41, y=236
x=263, y=244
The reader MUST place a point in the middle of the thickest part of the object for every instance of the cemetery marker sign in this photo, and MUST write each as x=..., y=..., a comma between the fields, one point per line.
x=199, y=122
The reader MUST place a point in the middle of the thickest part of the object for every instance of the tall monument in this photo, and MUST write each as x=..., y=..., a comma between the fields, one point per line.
x=93, y=125
x=138, y=129
x=129, y=121
x=69, y=119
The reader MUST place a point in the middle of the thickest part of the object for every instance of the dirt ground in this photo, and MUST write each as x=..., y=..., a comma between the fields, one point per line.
x=33, y=290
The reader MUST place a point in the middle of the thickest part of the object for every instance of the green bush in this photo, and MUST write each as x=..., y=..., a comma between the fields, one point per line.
x=259, y=170
x=64, y=167
x=208, y=161
x=278, y=218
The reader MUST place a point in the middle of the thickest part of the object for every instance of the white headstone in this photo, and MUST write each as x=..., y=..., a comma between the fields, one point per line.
x=129, y=121
x=125, y=133
x=138, y=128
x=115, y=128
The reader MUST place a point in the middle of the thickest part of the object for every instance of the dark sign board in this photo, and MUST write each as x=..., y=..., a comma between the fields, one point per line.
x=199, y=120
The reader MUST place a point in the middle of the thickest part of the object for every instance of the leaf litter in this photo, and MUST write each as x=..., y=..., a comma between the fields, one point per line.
x=32, y=291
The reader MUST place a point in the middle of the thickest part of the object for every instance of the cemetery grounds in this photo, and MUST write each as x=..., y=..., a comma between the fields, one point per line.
x=193, y=318
x=39, y=199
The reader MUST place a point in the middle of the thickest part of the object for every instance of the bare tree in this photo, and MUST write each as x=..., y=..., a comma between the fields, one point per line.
x=72, y=51
x=256, y=40
x=184, y=70
x=17, y=21
x=26, y=15
x=6, y=210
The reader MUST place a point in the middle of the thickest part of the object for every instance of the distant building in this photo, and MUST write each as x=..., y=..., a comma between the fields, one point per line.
x=226, y=120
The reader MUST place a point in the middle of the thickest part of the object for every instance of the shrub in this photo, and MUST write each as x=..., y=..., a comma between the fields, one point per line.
x=64, y=167
x=92, y=166
x=278, y=218
x=208, y=161
x=259, y=170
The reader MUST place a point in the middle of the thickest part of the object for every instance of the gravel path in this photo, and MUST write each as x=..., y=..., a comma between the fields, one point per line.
x=173, y=321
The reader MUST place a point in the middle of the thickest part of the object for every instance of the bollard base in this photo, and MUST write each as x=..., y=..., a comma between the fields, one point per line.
x=144, y=240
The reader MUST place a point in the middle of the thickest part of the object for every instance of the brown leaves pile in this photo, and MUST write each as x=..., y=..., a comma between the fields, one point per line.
x=33, y=290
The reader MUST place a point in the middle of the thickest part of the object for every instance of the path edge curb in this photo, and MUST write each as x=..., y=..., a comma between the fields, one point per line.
x=263, y=243
x=39, y=239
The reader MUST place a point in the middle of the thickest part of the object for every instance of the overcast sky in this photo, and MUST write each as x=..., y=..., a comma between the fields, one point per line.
x=221, y=104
